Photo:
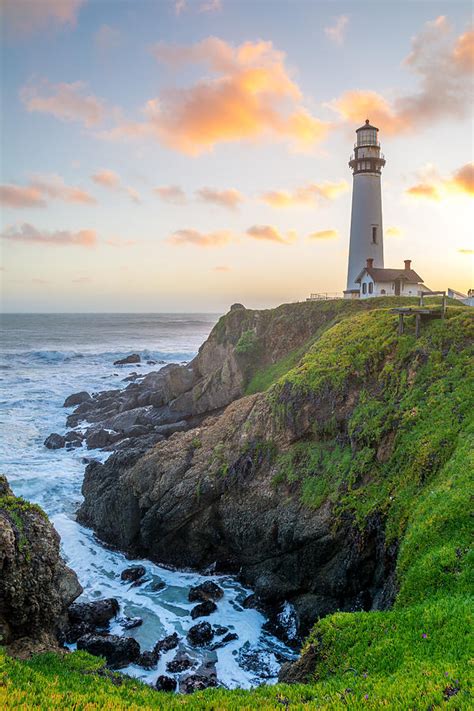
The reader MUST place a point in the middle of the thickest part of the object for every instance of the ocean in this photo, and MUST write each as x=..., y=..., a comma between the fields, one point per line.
x=45, y=358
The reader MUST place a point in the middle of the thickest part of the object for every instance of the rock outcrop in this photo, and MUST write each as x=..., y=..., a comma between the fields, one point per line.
x=36, y=586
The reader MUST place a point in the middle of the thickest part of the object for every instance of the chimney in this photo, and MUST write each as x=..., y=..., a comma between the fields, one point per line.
x=370, y=263
x=407, y=264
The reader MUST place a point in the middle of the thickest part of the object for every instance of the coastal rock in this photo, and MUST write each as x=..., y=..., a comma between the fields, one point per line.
x=74, y=439
x=130, y=623
x=148, y=659
x=77, y=399
x=36, y=586
x=132, y=574
x=166, y=683
x=229, y=637
x=203, y=609
x=97, y=613
x=118, y=651
x=205, y=591
x=99, y=438
x=167, y=643
x=201, y=634
x=55, y=441
x=180, y=663
x=128, y=360
x=204, y=678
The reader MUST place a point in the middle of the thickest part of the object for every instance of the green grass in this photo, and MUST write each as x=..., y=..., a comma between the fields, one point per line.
x=404, y=450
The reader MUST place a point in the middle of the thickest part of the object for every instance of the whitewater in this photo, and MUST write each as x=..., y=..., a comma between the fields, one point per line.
x=45, y=358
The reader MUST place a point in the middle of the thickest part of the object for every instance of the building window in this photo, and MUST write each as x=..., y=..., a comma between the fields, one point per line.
x=374, y=235
x=364, y=288
x=383, y=292
x=371, y=288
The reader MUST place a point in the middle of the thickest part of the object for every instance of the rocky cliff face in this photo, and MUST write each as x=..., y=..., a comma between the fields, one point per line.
x=36, y=586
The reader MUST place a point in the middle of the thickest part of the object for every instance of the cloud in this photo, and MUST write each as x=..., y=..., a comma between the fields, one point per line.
x=432, y=186
x=251, y=96
x=443, y=65
x=28, y=234
x=107, y=179
x=210, y=6
x=40, y=188
x=111, y=180
x=179, y=6
x=201, y=239
x=466, y=251
x=324, y=234
x=311, y=194
x=222, y=268
x=26, y=18
x=393, y=232
x=68, y=102
x=171, y=193
x=53, y=186
x=82, y=280
x=107, y=38
x=270, y=233
x=231, y=199
x=337, y=32
x=20, y=197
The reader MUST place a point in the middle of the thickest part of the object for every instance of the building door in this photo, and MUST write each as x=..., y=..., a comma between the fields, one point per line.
x=397, y=287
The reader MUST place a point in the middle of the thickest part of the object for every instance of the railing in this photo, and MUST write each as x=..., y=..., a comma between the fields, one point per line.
x=324, y=296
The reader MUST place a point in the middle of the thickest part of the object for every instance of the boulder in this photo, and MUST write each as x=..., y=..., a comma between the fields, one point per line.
x=77, y=399
x=229, y=637
x=203, y=609
x=166, y=683
x=55, y=441
x=148, y=659
x=180, y=663
x=204, y=678
x=74, y=439
x=129, y=623
x=118, y=651
x=157, y=586
x=132, y=574
x=167, y=430
x=205, y=591
x=98, y=438
x=128, y=360
x=201, y=634
x=219, y=630
x=96, y=614
x=169, y=642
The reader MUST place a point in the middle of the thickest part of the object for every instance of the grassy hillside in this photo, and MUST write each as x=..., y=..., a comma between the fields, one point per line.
x=410, y=459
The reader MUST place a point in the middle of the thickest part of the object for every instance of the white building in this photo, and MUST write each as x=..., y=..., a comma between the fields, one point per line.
x=373, y=281
x=366, y=240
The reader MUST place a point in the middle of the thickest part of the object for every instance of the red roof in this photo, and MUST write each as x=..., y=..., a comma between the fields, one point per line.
x=384, y=275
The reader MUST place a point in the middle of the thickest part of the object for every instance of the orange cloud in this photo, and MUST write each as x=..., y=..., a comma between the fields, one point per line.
x=337, y=32
x=324, y=234
x=171, y=193
x=41, y=187
x=28, y=234
x=443, y=66
x=201, y=239
x=435, y=187
x=231, y=199
x=26, y=18
x=133, y=195
x=309, y=195
x=393, y=232
x=252, y=97
x=67, y=102
x=20, y=197
x=270, y=233
x=107, y=179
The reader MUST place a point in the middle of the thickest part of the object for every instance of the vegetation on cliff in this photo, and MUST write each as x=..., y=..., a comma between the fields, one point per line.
x=378, y=426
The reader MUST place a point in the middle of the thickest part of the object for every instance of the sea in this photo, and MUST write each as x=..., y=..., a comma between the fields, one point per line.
x=45, y=358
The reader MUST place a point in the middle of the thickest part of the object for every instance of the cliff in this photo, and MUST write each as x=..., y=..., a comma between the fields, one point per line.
x=36, y=586
x=337, y=477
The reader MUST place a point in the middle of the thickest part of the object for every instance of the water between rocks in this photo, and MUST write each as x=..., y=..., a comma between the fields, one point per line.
x=43, y=359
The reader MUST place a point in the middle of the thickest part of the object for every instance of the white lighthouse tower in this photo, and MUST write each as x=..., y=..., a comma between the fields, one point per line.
x=366, y=240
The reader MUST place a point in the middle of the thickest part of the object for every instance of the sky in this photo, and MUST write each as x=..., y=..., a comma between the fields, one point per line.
x=183, y=155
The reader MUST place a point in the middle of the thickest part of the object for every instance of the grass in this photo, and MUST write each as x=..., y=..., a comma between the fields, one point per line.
x=404, y=450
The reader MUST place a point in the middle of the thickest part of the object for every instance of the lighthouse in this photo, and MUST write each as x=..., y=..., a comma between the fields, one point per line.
x=366, y=238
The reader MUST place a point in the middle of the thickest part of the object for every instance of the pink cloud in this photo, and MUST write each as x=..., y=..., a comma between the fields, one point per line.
x=67, y=102
x=324, y=234
x=310, y=195
x=252, y=97
x=337, y=32
x=26, y=18
x=171, y=193
x=222, y=268
x=107, y=179
x=443, y=65
x=211, y=6
x=26, y=233
x=432, y=186
x=230, y=199
x=201, y=239
x=270, y=233
x=21, y=197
